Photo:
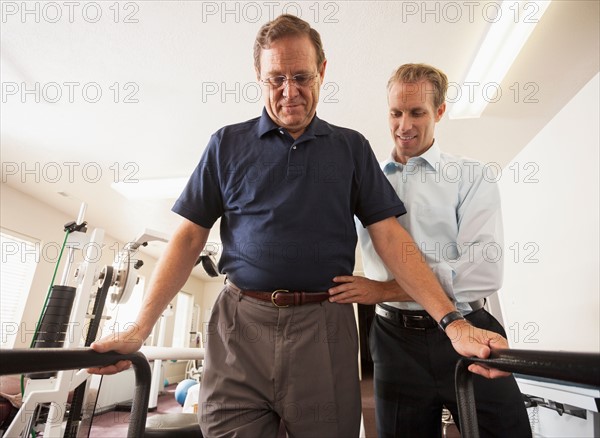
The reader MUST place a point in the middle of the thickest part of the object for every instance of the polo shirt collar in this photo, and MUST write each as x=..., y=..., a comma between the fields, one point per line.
x=431, y=157
x=265, y=124
x=315, y=128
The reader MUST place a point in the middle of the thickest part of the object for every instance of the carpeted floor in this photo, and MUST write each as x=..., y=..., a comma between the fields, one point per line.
x=114, y=424
x=368, y=406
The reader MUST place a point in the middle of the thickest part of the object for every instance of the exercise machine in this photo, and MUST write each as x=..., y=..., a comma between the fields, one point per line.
x=80, y=296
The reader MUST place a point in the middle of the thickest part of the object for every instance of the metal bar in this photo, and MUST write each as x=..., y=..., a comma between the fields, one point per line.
x=465, y=400
x=79, y=394
x=168, y=353
x=579, y=368
x=19, y=361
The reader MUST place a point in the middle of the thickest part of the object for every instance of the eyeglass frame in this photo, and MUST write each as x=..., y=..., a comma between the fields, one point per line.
x=285, y=80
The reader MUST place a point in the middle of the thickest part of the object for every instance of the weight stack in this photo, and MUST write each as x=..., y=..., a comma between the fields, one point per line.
x=54, y=326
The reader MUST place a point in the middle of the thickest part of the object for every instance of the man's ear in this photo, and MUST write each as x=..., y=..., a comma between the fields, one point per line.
x=440, y=112
x=322, y=71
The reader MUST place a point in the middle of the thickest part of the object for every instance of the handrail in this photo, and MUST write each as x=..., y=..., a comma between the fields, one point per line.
x=23, y=361
x=172, y=353
x=572, y=367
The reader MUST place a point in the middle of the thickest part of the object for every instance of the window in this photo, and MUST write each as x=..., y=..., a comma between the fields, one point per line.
x=124, y=315
x=183, y=320
x=19, y=260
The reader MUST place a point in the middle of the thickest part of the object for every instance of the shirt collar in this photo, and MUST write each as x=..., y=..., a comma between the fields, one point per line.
x=315, y=128
x=431, y=157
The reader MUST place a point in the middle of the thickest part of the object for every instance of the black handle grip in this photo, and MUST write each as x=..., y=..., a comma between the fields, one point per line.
x=570, y=367
x=22, y=361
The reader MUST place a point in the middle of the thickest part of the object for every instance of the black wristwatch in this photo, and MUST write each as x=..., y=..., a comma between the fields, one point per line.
x=449, y=318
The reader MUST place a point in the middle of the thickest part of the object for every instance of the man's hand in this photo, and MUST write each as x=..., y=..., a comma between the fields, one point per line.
x=171, y=272
x=125, y=342
x=353, y=289
x=471, y=341
x=356, y=290
x=466, y=339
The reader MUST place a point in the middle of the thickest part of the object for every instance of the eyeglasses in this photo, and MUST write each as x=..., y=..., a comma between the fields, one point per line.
x=301, y=80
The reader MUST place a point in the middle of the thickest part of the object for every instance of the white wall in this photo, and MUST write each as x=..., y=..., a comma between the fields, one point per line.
x=211, y=292
x=550, y=297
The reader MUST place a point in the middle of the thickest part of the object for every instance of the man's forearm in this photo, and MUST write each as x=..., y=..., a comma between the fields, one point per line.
x=412, y=273
x=392, y=291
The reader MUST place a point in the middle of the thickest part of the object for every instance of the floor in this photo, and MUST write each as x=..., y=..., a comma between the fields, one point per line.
x=114, y=424
x=368, y=405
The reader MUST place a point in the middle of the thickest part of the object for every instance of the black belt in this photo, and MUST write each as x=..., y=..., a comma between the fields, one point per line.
x=414, y=319
x=283, y=297
x=411, y=319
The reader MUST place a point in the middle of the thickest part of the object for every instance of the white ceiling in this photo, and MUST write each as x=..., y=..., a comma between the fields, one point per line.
x=187, y=68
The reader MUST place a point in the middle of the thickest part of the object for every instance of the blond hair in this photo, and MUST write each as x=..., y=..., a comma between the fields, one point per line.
x=413, y=73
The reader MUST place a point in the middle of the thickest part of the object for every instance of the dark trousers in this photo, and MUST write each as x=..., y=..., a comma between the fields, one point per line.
x=414, y=379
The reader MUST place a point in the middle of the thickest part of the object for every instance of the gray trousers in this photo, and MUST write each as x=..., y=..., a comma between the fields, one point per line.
x=265, y=364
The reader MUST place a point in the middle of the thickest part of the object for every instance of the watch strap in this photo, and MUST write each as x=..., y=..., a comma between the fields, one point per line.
x=449, y=318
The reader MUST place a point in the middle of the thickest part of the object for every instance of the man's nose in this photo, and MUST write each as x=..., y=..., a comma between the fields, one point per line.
x=290, y=89
x=405, y=123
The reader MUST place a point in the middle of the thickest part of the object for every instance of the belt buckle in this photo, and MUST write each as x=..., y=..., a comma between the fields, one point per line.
x=407, y=318
x=273, y=296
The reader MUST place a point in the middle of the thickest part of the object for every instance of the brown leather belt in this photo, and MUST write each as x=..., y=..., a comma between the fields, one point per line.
x=284, y=297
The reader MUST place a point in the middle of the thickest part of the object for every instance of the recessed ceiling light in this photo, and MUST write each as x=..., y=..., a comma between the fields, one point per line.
x=160, y=188
x=505, y=38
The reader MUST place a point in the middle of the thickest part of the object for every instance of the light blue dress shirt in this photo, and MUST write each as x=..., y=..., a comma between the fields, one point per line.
x=454, y=216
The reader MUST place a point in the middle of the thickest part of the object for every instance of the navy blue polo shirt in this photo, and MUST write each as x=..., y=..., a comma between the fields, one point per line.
x=287, y=206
